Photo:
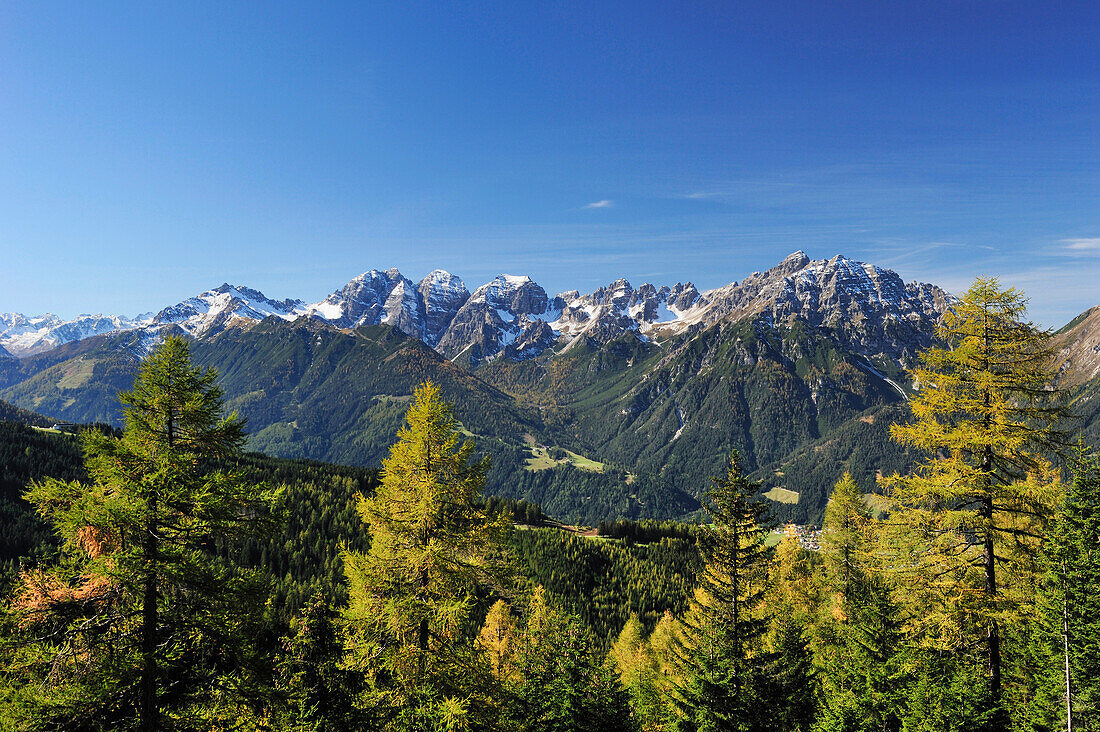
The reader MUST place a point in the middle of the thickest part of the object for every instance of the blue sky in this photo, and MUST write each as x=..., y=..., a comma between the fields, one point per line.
x=150, y=151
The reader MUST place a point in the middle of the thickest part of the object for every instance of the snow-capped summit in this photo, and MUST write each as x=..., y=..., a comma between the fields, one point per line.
x=24, y=336
x=869, y=309
x=516, y=295
x=618, y=308
x=508, y=314
x=367, y=300
x=422, y=311
x=212, y=311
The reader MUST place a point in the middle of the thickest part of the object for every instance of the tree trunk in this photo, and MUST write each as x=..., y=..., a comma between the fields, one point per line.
x=994, y=634
x=149, y=720
x=1065, y=657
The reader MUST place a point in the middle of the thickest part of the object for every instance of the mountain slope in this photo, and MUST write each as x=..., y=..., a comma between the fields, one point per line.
x=310, y=390
x=647, y=388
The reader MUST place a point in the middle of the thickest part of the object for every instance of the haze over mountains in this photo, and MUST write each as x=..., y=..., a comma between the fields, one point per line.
x=619, y=402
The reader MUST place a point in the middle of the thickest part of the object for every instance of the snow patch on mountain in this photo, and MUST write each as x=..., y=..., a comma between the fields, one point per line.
x=21, y=335
x=214, y=310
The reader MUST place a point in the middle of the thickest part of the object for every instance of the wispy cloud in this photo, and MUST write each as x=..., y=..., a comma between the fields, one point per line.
x=605, y=203
x=1081, y=246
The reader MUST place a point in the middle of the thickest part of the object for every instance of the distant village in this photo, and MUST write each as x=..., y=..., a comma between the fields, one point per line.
x=807, y=538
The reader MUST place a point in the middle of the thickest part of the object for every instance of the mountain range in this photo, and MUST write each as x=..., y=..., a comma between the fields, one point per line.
x=513, y=316
x=618, y=402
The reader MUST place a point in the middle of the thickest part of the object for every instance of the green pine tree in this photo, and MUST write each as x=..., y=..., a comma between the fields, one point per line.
x=141, y=623
x=1074, y=596
x=320, y=691
x=721, y=653
x=860, y=639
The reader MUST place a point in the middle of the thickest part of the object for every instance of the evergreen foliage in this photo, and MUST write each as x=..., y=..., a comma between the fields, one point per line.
x=605, y=582
x=1074, y=601
x=434, y=553
x=140, y=615
x=722, y=653
x=321, y=692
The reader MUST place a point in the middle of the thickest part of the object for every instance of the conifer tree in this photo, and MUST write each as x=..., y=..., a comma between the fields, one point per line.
x=790, y=681
x=141, y=614
x=433, y=552
x=564, y=685
x=1074, y=595
x=497, y=641
x=975, y=511
x=721, y=655
x=844, y=538
x=321, y=692
x=640, y=672
x=859, y=632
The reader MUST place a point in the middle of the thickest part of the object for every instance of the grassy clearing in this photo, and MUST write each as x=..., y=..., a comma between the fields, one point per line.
x=782, y=495
x=392, y=398
x=76, y=376
x=541, y=460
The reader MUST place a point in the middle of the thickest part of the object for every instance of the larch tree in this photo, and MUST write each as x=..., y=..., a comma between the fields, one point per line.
x=142, y=618
x=640, y=672
x=844, y=539
x=975, y=511
x=434, y=551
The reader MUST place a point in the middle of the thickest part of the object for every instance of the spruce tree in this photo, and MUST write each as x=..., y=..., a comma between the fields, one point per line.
x=975, y=511
x=859, y=638
x=721, y=654
x=321, y=692
x=1074, y=596
x=141, y=615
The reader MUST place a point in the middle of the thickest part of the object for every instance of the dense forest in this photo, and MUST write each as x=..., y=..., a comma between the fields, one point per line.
x=159, y=577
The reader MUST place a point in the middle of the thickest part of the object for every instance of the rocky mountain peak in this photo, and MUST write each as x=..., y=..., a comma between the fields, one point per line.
x=508, y=314
x=442, y=294
x=212, y=311
x=518, y=295
x=1077, y=349
x=869, y=309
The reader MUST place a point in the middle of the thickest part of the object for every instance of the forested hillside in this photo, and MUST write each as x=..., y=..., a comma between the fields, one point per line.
x=647, y=387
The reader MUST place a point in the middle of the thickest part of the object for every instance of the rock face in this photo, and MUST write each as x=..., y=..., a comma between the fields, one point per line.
x=869, y=310
x=611, y=311
x=509, y=313
x=1077, y=349
x=442, y=294
x=371, y=298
